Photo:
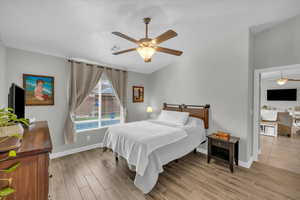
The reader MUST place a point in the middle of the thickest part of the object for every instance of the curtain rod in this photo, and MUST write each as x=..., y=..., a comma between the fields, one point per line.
x=79, y=62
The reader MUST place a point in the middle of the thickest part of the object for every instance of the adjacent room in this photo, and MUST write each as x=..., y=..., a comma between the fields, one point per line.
x=280, y=117
x=149, y=100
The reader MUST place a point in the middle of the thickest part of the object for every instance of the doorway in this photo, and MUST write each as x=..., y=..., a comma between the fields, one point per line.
x=276, y=139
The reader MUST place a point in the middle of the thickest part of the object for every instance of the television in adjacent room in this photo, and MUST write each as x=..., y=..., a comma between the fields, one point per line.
x=282, y=95
x=16, y=100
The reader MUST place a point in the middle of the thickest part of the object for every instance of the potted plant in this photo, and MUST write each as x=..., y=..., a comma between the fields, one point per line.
x=10, y=124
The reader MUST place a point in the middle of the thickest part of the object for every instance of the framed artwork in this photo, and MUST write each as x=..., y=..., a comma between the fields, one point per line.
x=39, y=90
x=138, y=94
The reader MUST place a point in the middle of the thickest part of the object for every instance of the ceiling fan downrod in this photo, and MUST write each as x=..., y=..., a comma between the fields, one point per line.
x=147, y=21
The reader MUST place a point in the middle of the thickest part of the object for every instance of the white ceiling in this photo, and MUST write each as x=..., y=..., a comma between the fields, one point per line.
x=263, y=27
x=82, y=28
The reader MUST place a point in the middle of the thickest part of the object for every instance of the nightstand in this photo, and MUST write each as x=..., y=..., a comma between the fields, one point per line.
x=224, y=150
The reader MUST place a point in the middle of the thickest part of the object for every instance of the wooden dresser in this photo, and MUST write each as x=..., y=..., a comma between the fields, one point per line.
x=31, y=179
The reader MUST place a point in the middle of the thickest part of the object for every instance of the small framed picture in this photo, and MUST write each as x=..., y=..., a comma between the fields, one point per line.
x=138, y=94
x=39, y=90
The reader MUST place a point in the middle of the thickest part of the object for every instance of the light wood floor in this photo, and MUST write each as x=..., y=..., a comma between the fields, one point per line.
x=282, y=152
x=94, y=175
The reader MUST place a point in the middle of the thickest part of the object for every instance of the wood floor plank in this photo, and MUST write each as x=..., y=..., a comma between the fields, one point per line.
x=87, y=193
x=95, y=174
x=58, y=184
x=69, y=179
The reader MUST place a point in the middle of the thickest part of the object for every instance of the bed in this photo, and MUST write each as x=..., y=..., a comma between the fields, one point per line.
x=149, y=145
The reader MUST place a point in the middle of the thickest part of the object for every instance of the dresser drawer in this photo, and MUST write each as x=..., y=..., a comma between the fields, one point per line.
x=221, y=144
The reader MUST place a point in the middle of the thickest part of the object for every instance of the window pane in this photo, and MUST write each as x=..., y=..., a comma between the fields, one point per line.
x=100, y=108
x=110, y=109
x=88, y=110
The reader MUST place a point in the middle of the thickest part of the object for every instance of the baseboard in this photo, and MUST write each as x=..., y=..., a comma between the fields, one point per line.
x=241, y=163
x=202, y=150
x=75, y=150
x=246, y=164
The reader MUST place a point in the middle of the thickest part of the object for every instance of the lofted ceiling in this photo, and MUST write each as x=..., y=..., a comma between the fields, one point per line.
x=81, y=29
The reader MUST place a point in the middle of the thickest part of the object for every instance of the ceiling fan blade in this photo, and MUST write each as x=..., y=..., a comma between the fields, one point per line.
x=290, y=79
x=124, y=51
x=165, y=36
x=169, y=51
x=125, y=37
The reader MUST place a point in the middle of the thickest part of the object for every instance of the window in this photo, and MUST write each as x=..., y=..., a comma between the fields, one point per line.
x=101, y=108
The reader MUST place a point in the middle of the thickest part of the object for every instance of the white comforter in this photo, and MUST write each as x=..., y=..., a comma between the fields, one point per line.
x=136, y=141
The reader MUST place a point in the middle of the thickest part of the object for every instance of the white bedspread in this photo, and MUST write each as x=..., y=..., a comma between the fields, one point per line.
x=137, y=140
x=148, y=145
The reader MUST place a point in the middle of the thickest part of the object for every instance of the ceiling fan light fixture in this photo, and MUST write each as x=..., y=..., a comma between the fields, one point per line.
x=147, y=46
x=146, y=53
x=282, y=81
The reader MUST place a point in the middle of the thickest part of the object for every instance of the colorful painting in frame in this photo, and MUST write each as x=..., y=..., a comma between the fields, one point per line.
x=138, y=94
x=39, y=90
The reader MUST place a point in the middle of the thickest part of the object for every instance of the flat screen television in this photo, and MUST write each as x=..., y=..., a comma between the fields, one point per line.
x=282, y=95
x=16, y=100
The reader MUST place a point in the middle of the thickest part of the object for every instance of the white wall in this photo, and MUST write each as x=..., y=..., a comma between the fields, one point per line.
x=137, y=111
x=212, y=70
x=3, y=93
x=281, y=105
x=19, y=62
x=279, y=45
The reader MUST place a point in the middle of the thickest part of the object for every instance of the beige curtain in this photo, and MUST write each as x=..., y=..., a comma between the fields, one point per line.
x=118, y=80
x=83, y=80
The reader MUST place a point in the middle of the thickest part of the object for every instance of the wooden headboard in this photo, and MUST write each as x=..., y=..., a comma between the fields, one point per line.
x=198, y=111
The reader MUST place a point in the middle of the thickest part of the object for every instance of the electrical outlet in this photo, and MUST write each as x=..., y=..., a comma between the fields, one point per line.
x=88, y=138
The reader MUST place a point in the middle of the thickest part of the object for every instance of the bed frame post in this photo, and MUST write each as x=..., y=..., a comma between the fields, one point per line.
x=195, y=151
x=206, y=121
x=182, y=106
x=164, y=106
x=116, y=156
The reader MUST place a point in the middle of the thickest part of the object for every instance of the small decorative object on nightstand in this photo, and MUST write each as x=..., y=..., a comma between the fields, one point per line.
x=222, y=146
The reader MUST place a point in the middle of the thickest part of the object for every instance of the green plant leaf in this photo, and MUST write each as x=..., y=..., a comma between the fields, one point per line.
x=8, y=118
x=6, y=191
x=17, y=135
x=12, y=153
x=11, y=168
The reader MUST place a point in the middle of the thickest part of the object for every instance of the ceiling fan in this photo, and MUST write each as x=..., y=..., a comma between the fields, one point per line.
x=283, y=80
x=148, y=46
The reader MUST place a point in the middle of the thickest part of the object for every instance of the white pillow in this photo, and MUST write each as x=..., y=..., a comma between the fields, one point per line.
x=178, y=118
x=195, y=122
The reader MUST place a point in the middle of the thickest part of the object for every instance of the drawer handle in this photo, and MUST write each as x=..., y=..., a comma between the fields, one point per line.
x=6, y=192
x=11, y=168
